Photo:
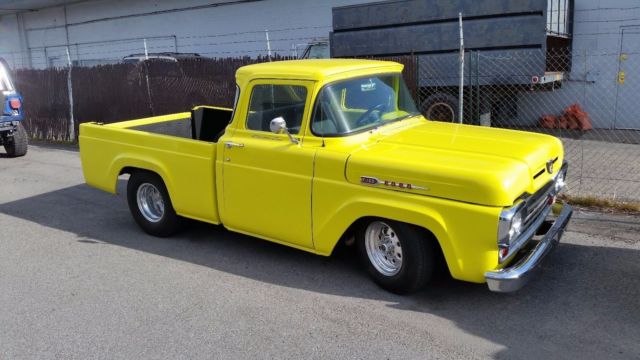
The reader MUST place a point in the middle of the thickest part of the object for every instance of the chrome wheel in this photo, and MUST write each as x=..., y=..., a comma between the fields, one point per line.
x=150, y=202
x=383, y=248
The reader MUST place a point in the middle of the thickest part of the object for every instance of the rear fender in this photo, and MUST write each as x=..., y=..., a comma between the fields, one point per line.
x=137, y=162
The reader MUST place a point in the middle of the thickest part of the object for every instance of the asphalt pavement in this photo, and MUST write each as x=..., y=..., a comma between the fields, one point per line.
x=79, y=280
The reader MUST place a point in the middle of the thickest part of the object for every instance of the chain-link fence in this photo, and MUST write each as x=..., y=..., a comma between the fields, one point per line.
x=589, y=100
x=116, y=92
x=586, y=99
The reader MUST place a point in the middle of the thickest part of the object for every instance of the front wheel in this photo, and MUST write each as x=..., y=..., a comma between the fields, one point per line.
x=150, y=204
x=397, y=256
x=17, y=145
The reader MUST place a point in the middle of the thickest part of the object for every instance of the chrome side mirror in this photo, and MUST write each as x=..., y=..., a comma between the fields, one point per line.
x=279, y=126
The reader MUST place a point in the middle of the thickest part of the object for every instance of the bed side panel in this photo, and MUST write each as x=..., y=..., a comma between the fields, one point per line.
x=185, y=165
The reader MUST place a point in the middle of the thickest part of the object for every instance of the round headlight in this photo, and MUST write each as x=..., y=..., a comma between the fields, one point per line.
x=516, y=226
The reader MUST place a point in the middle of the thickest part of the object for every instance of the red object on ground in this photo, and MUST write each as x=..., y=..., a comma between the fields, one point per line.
x=578, y=117
x=572, y=122
x=573, y=117
x=563, y=122
x=548, y=121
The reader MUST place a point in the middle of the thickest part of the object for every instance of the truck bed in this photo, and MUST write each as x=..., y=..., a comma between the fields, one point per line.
x=205, y=123
x=180, y=148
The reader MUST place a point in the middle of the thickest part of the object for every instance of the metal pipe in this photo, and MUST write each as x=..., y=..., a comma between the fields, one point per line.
x=266, y=33
x=72, y=123
x=461, y=89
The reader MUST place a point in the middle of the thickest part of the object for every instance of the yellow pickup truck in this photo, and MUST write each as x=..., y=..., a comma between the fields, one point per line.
x=316, y=152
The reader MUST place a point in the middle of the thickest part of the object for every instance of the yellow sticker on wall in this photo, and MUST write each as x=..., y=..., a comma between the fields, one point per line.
x=621, y=77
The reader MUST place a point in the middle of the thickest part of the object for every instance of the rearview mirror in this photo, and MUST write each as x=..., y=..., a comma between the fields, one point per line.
x=279, y=126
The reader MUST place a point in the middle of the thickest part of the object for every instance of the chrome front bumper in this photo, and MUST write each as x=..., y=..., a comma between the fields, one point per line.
x=517, y=275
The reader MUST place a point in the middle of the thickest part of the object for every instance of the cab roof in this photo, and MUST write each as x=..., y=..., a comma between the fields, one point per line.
x=313, y=69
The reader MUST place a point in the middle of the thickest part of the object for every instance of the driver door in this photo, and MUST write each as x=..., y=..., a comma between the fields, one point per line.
x=266, y=177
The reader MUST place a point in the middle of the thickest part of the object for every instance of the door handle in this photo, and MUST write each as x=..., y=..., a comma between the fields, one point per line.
x=230, y=144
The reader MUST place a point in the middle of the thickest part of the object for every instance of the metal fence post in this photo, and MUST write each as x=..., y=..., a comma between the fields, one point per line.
x=461, y=90
x=266, y=34
x=72, y=124
x=471, y=104
x=146, y=67
x=477, y=80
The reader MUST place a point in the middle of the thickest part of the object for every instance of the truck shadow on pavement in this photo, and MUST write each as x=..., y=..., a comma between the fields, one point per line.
x=584, y=292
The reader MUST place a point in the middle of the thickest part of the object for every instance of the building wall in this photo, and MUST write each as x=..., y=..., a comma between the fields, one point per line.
x=105, y=31
x=598, y=56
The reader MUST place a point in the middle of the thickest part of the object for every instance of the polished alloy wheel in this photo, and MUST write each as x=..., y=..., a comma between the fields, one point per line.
x=150, y=202
x=383, y=248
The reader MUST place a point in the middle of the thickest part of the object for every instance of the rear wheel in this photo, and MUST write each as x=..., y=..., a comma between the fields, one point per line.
x=397, y=256
x=150, y=204
x=441, y=107
x=17, y=144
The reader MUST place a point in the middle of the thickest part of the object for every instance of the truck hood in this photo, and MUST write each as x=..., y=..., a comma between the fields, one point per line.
x=473, y=164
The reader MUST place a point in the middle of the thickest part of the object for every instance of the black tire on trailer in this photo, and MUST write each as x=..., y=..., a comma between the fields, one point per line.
x=441, y=107
x=399, y=257
x=17, y=144
x=150, y=204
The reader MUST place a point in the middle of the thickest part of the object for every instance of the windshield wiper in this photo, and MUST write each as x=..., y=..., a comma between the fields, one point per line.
x=403, y=117
x=375, y=128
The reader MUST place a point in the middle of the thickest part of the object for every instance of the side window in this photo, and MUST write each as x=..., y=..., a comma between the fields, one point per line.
x=271, y=101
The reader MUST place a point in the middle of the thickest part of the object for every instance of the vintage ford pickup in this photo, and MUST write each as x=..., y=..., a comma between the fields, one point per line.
x=316, y=152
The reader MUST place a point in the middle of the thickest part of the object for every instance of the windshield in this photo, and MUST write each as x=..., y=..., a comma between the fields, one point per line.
x=356, y=105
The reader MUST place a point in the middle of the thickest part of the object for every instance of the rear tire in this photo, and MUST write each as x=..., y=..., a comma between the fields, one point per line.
x=150, y=204
x=441, y=107
x=399, y=257
x=18, y=144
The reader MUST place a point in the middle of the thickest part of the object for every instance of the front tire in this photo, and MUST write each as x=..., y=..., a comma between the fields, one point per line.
x=17, y=145
x=397, y=256
x=150, y=204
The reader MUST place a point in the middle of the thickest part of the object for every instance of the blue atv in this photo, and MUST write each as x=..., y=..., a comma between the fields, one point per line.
x=12, y=133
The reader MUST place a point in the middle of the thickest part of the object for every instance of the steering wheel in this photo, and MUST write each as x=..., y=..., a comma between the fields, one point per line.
x=362, y=120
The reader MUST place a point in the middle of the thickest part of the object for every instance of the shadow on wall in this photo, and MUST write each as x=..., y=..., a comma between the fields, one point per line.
x=564, y=305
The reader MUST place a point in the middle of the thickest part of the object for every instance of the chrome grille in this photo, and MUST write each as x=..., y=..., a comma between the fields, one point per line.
x=534, y=207
x=536, y=204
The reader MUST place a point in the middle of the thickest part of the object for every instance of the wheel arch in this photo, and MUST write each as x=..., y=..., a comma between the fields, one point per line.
x=128, y=165
x=345, y=222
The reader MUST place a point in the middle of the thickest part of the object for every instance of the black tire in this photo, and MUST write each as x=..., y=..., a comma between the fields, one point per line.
x=17, y=144
x=441, y=107
x=417, y=257
x=168, y=223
